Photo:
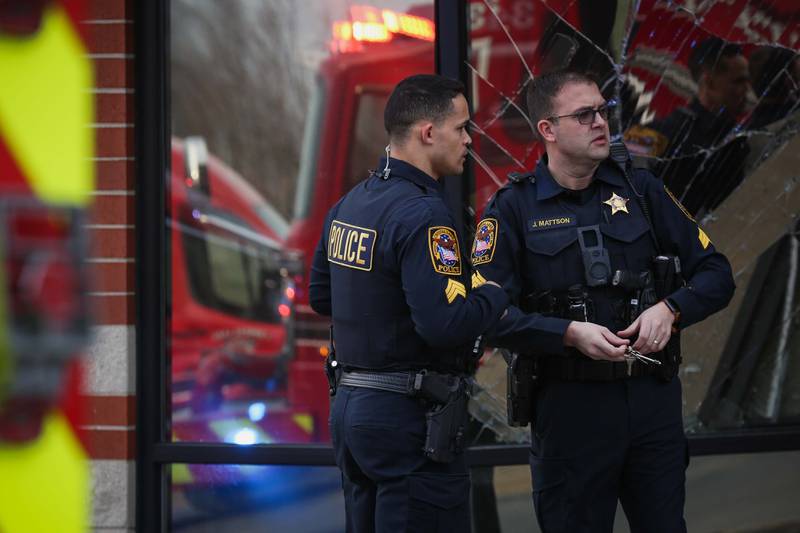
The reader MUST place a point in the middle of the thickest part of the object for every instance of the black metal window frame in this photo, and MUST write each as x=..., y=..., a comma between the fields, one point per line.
x=154, y=449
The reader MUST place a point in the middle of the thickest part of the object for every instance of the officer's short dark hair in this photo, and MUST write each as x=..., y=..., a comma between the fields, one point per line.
x=707, y=54
x=544, y=89
x=420, y=97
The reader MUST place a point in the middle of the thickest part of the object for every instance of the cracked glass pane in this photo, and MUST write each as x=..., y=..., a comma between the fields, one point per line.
x=709, y=94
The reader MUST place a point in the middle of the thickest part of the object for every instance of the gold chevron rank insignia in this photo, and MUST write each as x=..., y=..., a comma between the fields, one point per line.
x=477, y=280
x=704, y=240
x=454, y=289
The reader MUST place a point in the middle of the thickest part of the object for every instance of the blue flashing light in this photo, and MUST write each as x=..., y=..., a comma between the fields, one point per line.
x=245, y=437
x=257, y=411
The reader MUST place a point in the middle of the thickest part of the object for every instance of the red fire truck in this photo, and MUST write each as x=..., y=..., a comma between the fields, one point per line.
x=231, y=324
x=232, y=296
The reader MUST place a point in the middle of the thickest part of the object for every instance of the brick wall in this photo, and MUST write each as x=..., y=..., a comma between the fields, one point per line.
x=110, y=381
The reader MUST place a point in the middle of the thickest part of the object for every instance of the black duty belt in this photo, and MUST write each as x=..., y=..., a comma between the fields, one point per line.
x=431, y=386
x=400, y=382
x=572, y=369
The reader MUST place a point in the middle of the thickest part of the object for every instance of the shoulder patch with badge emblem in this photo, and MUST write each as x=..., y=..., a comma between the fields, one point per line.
x=645, y=141
x=485, y=240
x=443, y=246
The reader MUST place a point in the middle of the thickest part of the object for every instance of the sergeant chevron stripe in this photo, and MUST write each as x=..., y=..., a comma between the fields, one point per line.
x=704, y=240
x=454, y=289
x=477, y=280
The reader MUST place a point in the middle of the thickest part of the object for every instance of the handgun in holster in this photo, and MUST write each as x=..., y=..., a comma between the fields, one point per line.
x=446, y=420
x=521, y=389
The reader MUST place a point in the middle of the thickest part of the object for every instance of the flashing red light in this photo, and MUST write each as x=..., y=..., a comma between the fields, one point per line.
x=290, y=293
x=284, y=310
x=369, y=24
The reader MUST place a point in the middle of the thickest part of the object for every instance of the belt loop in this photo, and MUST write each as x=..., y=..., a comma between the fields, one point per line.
x=418, y=377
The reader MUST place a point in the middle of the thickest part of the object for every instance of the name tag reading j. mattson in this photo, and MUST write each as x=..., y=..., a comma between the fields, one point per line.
x=551, y=222
x=351, y=246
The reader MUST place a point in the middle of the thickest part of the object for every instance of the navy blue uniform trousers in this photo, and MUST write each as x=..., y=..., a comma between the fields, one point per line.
x=592, y=441
x=389, y=484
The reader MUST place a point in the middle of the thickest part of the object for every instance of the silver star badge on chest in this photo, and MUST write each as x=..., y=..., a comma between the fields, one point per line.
x=617, y=203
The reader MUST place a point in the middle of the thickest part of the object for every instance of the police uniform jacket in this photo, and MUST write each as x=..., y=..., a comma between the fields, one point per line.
x=390, y=272
x=528, y=242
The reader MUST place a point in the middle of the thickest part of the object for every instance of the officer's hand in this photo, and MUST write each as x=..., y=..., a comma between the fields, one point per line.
x=654, y=327
x=595, y=341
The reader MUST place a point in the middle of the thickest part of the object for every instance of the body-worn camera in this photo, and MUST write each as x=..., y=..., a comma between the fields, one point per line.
x=596, y=264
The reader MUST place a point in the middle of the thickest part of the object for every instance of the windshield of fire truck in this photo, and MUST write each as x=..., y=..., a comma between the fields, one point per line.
x=232, y=269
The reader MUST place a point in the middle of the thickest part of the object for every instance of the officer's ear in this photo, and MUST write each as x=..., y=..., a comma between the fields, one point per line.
x=545, y=129
x=426, y=133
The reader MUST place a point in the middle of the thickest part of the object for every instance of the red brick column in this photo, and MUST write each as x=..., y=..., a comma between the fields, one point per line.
x=110, y=378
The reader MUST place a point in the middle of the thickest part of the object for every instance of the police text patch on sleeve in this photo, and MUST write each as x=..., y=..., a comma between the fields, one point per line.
x=445, y=255
x=485, y=240
x=351, y=246
x=563, y=221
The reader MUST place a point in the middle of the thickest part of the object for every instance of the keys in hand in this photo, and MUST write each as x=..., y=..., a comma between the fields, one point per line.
x=632, y=355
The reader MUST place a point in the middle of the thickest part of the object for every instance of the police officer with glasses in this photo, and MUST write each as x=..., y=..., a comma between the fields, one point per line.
x=604, y=267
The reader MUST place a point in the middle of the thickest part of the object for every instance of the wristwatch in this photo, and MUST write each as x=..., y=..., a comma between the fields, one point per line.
x=673, y=307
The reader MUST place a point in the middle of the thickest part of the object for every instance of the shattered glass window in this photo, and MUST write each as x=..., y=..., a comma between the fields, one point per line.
x=709, y=95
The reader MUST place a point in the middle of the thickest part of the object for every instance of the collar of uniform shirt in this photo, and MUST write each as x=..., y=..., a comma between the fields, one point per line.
x=408, y=171
x=548, y=187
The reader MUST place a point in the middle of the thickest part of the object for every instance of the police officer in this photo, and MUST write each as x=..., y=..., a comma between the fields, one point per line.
x=390, y=270
x=699, y=163
x=572, y=245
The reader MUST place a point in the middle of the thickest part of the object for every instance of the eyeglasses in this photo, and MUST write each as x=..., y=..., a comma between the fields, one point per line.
x=587, y=116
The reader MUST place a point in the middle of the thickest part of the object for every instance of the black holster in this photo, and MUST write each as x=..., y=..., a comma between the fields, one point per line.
x=521, y=389
x=667, y=278
x=446, y=420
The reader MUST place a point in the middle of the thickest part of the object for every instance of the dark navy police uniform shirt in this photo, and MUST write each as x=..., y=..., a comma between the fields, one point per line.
x=390, y=270
x=528, y=242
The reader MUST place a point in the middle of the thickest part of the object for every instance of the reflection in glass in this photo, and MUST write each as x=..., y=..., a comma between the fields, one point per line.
x=245, y=498
x=709, y=96
x=276, y=113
